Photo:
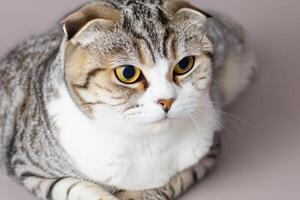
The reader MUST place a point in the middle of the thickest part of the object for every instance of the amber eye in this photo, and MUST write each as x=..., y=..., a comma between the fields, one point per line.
x=128, y=74
x=184, y=66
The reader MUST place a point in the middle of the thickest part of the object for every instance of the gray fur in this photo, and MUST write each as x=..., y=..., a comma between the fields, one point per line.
x=28, y=77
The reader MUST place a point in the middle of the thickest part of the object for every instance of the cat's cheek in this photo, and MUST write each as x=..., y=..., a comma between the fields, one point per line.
x=202, y=84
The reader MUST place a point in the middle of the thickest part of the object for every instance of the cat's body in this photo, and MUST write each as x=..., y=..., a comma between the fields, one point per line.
x=58, y=132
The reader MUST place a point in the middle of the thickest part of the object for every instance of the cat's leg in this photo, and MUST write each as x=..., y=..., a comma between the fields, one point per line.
x=179, y=184
x=64, y=188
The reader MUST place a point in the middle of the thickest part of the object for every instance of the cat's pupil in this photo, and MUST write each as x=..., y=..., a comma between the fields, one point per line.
x=129, y=72
x=184, y=63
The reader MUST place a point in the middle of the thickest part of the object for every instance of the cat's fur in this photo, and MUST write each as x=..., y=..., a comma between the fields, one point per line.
x=70, y=130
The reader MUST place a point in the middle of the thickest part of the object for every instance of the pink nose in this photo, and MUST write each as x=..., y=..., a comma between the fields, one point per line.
x=166, y=104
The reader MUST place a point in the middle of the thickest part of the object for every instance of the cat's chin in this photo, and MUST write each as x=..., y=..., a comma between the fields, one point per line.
x=159, y=120
x=162, y=125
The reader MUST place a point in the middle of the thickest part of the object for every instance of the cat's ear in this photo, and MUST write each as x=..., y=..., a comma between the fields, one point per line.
x=81, y=19
x=180, y=8
x=193, y=15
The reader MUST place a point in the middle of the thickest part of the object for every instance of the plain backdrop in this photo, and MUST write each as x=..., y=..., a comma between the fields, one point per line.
x=261, y=143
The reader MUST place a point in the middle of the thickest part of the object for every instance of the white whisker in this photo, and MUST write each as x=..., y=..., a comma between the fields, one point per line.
x=227, y=115
x=194, y=122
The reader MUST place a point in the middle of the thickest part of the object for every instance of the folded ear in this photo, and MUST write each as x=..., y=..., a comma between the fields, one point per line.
x=192, y=15
x=79, y=20
x=182, y=8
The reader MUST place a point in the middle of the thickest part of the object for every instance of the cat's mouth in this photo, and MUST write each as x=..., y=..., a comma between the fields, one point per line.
x=162, y=120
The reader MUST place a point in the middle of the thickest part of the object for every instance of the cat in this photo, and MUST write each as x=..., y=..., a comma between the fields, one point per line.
x=122, y=102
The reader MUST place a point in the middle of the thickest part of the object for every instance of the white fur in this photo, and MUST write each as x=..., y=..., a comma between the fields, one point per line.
x=144, y=149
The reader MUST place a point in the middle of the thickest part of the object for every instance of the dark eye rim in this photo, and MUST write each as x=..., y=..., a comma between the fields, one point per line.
x=192, y=66
x=140, y=78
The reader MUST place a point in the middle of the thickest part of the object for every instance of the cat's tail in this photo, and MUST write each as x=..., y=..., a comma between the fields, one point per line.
x=236, y=76
x=2, y=156
x=238, y=65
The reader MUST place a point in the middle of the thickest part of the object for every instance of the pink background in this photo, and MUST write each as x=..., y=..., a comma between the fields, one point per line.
x=260, y=159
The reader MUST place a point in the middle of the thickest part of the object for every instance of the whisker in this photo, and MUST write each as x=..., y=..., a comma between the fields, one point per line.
x=219, y=123
x=229, y=116
x=200, y=109
x=194, y=122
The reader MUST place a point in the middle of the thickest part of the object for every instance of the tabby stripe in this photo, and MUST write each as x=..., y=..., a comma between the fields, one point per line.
x=30, y=174
x=41, y=99
x=135, y=34
x=169, y=45
x=71, y=187
x=88, y=104
x=10, y=149
x=104, y=88
x=181, y=184
x=162, y=16
x=119, y=104
x=210, y=55
x=163, y=194
x=129, y=108
x=173, y=49
x=52, y=186
x=195, y=175
x=173, y=192
x=206, y=171
x=164, y=43
x=38, y=165
x=130, y=2
x=212, y=155
x=117, y=98
x=90, y=74
x=18, y=162
x=37, y=189
x=137, y=46
x=112, y=4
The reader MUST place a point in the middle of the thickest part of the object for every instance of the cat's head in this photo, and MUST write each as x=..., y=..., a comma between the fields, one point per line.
x=140, y=66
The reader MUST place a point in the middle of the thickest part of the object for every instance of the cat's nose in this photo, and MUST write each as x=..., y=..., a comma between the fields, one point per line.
x=166, y=104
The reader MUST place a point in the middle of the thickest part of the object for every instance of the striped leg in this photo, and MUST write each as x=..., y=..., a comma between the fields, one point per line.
x=180, y=183
x=66, y=189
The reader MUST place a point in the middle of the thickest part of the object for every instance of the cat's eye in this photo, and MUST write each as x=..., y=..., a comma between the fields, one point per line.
x=128, y=74
x=184, y=66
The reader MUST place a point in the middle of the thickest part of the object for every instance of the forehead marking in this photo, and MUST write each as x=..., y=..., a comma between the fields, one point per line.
x=141, y=37
x=168, y=45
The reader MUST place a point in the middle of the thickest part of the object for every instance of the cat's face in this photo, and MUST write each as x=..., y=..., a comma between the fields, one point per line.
x=143, y=70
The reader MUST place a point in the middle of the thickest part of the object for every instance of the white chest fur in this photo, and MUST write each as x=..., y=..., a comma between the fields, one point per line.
x=128, y=162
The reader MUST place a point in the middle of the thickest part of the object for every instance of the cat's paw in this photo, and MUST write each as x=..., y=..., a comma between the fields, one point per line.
x=87, y=191
x=130, y=195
